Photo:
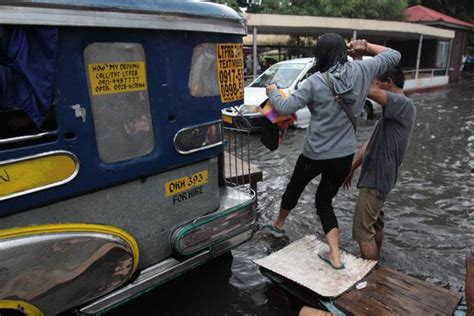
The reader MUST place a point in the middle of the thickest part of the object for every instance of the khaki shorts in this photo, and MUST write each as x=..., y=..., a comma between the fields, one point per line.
x=368, y=215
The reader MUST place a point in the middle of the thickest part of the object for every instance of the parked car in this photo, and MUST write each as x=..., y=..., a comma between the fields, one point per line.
x=288, y=75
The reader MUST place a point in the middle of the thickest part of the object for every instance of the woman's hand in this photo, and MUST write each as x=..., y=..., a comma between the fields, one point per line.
x=270, y=87
x=357, y=47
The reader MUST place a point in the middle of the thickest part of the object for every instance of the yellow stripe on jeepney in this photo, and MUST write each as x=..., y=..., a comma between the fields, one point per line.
x=20, y=306
x=185, y=183
x=34, y=173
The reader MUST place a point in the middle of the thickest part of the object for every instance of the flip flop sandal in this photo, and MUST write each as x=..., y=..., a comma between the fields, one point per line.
x=277, y=232
x=324, y=255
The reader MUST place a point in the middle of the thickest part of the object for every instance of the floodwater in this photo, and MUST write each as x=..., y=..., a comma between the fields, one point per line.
x=429, y=217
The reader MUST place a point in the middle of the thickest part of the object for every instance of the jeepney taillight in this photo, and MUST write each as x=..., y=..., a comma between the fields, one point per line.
x=196, y=138
x=213, y=228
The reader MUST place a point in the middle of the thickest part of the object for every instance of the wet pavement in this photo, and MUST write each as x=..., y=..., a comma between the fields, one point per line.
x=429, y=217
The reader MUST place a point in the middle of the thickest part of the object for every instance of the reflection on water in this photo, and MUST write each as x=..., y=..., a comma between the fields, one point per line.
x=429, y=214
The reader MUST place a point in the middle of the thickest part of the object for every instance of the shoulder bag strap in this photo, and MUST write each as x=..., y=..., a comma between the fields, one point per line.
x=341, y=101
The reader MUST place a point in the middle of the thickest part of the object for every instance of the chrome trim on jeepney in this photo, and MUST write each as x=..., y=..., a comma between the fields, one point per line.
x=23, y=15
x=187, y=152
x=44, y=187
x=25, y=138
x=160, y=273
x=45, y=269
x=207, y=230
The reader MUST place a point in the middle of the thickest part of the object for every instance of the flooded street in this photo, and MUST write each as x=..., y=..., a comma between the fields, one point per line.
x=429, y=217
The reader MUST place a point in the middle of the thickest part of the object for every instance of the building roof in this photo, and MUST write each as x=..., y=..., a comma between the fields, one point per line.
x=317, y=25
x=419, y=13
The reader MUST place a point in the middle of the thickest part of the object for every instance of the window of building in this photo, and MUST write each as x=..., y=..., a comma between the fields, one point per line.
x=442, y=54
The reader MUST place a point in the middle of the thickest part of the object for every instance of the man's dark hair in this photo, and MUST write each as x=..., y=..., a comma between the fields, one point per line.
x=397, y=76
x=330, y=50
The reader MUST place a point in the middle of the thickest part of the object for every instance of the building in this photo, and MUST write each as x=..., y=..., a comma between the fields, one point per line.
x=454, y=49
x=423, y=66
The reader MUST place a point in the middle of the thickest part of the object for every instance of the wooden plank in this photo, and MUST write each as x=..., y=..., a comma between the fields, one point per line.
x=389, y=292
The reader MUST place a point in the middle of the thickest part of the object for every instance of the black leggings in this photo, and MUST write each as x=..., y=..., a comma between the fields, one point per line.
x=334, y=171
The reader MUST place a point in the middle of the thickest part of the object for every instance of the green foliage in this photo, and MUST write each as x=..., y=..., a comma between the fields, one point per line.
x=234, y=4
x=363, y=9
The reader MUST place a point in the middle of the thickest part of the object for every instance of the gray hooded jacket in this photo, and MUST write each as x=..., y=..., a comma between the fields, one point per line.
x=330, y=133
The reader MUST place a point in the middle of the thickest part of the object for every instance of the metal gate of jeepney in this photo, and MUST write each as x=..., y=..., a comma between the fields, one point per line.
x=238, y=170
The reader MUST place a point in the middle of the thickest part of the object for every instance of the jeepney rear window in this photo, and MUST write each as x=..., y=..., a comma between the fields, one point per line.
x=203, y=76
x=218, y=69
x=118, y=89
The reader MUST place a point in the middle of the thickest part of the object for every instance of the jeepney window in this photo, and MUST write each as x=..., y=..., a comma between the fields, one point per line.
x=203, y=76
x=27, y=73
x=118, y=89
x=17, y=123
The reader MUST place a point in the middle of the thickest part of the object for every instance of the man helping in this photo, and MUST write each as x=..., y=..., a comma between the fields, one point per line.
x=381, y=156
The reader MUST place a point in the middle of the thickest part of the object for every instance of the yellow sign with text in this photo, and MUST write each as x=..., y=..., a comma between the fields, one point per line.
x=230, y=71
x=24, y=176
x=117, y=77
x=185, y=183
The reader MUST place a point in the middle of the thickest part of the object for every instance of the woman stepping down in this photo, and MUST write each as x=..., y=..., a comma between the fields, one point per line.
x=330, y=141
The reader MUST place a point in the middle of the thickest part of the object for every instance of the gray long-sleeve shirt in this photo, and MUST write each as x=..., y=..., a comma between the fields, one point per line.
x=330, y=133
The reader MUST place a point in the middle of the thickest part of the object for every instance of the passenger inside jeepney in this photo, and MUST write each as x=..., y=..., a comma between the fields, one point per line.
x=16, y=123
x=27, y=71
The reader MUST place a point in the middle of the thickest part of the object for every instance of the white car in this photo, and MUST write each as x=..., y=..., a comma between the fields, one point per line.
x=287, y=75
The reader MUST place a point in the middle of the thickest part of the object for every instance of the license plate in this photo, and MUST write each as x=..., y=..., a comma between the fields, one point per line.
x=185, y=183
x=227, y=119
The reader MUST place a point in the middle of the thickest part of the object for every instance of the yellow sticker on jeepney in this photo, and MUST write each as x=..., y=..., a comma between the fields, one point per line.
x=120, y=77
x=185, y=183
x=227, y=119
x=230, y=71
x=22, y=176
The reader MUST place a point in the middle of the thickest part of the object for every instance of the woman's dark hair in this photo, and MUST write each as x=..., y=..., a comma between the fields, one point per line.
x=330, y=50
x=397, y=76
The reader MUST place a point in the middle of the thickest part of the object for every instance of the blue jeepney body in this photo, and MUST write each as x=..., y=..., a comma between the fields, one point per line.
x=132, y=165
x=168, y=63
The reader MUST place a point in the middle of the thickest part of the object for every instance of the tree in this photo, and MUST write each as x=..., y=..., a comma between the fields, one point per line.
x=234, y=4
x=363, y=9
